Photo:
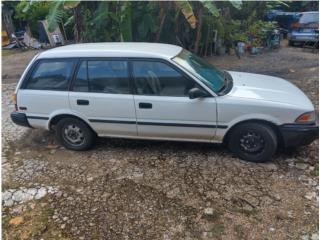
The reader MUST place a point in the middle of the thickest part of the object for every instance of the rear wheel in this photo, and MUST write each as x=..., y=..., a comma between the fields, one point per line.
x=291, y=43
x=255, y=142
x=74, y=134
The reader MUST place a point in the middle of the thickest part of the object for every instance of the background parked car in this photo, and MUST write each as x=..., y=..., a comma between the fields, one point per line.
x=305, y=29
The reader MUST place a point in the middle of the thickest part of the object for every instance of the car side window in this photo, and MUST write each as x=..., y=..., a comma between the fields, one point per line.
x=51, y=75
x=159, y=79
x=102, y=76
x=81, y=83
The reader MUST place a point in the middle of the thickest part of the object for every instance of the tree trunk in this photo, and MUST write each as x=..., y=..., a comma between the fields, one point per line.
x=199, y=26
x=162, y=18
x=78, y=24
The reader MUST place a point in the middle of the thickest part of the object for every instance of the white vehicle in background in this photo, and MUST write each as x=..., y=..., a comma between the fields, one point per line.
x=159, y=91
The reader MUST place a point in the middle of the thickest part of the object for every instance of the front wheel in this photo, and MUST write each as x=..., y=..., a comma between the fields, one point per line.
x=74, y=134
x=254, y=142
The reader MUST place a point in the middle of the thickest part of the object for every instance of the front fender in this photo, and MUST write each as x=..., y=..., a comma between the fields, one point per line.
x=221, y=132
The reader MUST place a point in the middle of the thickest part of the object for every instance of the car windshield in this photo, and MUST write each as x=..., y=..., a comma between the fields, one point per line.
x=208, y=74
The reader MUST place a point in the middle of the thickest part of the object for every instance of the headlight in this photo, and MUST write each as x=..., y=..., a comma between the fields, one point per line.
x=308, y=117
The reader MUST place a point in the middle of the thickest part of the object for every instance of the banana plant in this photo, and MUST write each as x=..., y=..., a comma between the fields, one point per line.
x=187, y=10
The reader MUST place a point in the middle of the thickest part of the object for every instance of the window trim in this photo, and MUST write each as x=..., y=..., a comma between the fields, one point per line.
x=129, y=60
x=36, y=64
x=87, y=59
x=176, y=68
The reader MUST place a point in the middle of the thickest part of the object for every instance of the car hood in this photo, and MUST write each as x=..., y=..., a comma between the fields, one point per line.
x=268, y=88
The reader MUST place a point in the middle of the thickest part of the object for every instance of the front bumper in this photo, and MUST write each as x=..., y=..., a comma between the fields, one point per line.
x=20, y=119
x=298, y=134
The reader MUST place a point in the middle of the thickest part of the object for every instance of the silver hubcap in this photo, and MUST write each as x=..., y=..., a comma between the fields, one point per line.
x=73, y=135
x=252, y=142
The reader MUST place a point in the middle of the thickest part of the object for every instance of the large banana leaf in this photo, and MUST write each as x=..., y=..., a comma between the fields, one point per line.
x=187, y=11
x=55, y=15
x=70, y=4
x=27, y=7
x=212, y=8
x=70, y=20
x=236, y=3
x=126, y=21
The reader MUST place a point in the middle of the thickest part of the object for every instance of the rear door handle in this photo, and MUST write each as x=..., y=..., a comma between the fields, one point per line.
x=145, y=105
x=82, y=102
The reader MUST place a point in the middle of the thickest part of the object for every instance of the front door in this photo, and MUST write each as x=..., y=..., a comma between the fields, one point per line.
x=163, y=107
x=101, y=92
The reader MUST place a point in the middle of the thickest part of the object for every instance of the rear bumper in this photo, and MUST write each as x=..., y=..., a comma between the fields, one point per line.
x=298, y=135
x=20, y=119
x=303, y=37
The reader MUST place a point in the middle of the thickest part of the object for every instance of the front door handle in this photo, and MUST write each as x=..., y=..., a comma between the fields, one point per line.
x=145, y=105
x=82, y=102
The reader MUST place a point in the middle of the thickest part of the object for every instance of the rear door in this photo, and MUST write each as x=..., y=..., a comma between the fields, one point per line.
x=102, y=93
x=45, y=89
x=164, y=109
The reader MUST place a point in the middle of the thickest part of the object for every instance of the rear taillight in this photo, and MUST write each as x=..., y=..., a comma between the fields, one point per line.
x=295, y=25
x=14, y=99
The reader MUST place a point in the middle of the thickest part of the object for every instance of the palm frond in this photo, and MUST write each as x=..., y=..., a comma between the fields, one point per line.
x=55, y=16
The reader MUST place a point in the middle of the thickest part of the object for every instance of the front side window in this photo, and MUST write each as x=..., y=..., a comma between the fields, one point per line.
x=157, y=78
x=51, y=75
x=103, y=76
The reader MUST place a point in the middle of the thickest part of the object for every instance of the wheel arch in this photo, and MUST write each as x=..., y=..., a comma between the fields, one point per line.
x=55, y=119
x=266, y=122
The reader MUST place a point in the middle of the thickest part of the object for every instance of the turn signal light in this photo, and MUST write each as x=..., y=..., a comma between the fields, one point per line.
x=308, y=117
x=14, y=99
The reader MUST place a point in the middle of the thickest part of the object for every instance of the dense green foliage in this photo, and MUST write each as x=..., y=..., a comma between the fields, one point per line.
x=188, y=23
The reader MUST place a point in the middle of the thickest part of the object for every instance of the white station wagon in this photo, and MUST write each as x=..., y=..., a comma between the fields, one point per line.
x=159, y=91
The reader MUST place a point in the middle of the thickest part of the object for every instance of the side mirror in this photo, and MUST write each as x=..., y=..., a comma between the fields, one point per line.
x=197, y=93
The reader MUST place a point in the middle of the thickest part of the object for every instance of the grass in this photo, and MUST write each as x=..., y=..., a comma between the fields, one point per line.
x=6, y=52
x=216, y=231
x=35, y=225
x=315, y=172
x=238, y=229
x=247, y=212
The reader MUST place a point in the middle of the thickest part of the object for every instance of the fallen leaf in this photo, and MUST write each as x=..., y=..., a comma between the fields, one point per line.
x=16, y=220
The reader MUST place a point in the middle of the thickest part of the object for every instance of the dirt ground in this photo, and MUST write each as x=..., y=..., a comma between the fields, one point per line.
x=129, y=189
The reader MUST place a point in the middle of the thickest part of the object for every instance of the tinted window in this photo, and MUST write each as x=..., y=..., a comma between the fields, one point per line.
x=309, y=18
x=156, y=78
x=51, y=75
x=108, y=77
x=81, y=83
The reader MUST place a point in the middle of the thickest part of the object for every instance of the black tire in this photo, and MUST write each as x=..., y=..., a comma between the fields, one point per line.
x=254, y=142
x=74, y=134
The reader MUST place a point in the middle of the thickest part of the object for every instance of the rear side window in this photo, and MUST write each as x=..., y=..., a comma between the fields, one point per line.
x=51, y=75
x=103, y=76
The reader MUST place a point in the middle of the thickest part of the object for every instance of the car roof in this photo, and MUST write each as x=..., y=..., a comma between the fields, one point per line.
x=114, y=49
